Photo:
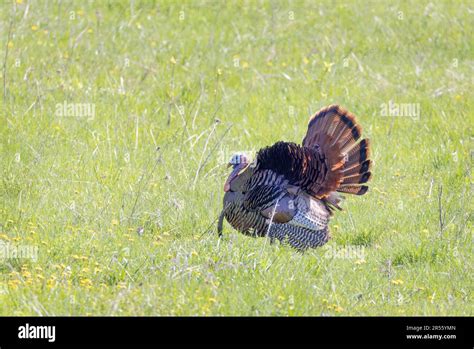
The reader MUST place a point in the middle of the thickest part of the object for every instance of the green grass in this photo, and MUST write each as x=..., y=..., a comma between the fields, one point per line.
x=243, y=75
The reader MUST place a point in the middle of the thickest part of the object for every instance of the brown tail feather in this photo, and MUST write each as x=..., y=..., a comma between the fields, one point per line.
x=353, y=189
x=357, y=178
x=331, y=121
x=350, y=143
x=336, y=132
x=355, y=159
x=362, y=147
x=358, y=168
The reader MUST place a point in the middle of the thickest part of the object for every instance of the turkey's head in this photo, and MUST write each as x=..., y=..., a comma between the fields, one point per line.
x=240, y=163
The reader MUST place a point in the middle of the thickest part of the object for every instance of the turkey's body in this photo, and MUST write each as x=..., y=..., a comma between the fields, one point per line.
x=307, y=229
x=289, y=191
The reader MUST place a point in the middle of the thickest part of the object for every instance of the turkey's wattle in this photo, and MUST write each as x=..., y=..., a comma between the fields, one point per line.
x=289, y=192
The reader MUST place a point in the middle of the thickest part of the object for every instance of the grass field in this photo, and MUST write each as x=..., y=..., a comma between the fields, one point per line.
x=117, y=118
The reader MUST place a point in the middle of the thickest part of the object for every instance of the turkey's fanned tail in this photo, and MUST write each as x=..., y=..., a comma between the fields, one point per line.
x=336, y=133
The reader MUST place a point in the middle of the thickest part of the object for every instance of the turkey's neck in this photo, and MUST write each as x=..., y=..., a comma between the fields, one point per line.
x=240, y=183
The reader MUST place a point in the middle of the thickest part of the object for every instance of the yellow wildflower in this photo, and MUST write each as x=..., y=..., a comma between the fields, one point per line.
x=13, y=283
x=432, y=297
x=4, y=237
x=87, y=283
x=397, y=282
x=328, y=66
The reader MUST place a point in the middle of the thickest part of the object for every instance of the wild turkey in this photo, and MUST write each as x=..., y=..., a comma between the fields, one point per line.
x=289, y=191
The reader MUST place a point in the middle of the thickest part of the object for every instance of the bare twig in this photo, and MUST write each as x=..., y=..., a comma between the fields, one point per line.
x=168, y=119
x=215, y=147
x=220, y=222
x=202, y=161
x=5, y=61
x=268, y=237
x=431, y=187
x=158, y=160
x=440, y=209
